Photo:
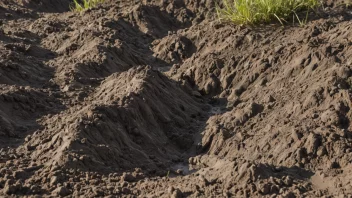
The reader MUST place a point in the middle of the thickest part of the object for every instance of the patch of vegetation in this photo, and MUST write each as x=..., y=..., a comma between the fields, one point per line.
x=253, y=12
x=85, y=4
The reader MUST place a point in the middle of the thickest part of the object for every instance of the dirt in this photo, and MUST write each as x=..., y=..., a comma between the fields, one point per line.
x=161, y=99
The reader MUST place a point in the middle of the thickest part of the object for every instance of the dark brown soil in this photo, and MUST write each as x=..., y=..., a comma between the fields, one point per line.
x=160, y=99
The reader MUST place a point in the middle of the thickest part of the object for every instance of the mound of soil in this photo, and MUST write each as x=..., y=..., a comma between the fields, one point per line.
x=160, y=99
x=130, y=121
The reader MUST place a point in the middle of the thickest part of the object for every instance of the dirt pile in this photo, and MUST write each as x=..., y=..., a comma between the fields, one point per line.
x=160, y=99
x=297, y=89
x=130, y=121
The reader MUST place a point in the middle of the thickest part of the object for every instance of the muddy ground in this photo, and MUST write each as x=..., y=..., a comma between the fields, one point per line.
x=158, y=98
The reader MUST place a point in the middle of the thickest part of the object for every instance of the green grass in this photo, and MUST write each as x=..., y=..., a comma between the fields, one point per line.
x=251, y=12
x=86, y=4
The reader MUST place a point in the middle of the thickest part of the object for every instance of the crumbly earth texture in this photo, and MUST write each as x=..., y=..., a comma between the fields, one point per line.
x=158, y=98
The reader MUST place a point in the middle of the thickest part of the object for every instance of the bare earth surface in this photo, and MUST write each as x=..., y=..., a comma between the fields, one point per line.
x=157, y=98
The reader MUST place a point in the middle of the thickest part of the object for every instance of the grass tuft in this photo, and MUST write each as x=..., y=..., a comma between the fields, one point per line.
x=251, y=12
x=86, y=4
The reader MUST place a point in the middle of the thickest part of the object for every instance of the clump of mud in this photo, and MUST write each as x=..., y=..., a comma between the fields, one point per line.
x=160, y=99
